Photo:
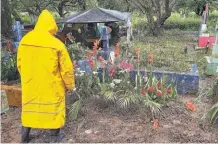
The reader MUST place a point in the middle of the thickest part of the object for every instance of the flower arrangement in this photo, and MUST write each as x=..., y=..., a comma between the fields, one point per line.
x=112, y=82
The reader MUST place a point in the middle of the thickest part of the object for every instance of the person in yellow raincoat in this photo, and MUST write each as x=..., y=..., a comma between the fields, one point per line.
x=46, y=74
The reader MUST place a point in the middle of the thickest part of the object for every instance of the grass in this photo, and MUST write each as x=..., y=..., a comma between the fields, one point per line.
x=168, y=50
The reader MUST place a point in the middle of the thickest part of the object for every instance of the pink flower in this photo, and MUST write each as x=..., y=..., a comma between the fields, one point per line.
x=112, y=72
x=125, y=65
x=75, y=64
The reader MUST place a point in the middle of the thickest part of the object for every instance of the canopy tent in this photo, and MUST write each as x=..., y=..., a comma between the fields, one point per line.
x=96, y=15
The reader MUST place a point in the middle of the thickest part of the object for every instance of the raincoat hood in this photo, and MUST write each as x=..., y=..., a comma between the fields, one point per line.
x=46, y=22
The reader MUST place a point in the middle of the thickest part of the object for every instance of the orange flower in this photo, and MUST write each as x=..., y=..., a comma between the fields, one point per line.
x=150, y=58
x=156, y=124
x=91, y=63
x=101, y=59
x=190, y=106
x=159, y=85
x=117, y=50
x=137, y=51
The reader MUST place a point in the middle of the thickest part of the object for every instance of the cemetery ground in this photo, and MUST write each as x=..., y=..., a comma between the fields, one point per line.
x=100, y=121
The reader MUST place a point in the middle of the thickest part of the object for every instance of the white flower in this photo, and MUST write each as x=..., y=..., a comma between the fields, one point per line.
x=94, y=72
x=81, y=74
x=82, y=71
x=122, y=71
x=112, y=85
x=135, y=88
x=145, y=79
x=74, y=89
x=128, y=82
x=76, y=74
x=117, y=81
x=78, y=69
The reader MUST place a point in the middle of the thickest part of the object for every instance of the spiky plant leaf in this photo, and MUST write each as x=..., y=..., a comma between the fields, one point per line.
x=74, y=110
x=109, y=96
x=124, y=102
x=154, y=107
x=212, y=113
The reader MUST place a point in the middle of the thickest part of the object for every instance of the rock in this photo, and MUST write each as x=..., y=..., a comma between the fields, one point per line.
x=88, y=131
x=167, y=126
x=176, y=122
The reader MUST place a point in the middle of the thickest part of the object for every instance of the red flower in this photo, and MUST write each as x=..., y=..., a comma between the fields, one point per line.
x=143, y=92
x=151, y=89
x=158, y=93
x=89, y=55
x=91, y=63
x=112, y=72
x=125, y=65
x=101, y=59
x=169, y=91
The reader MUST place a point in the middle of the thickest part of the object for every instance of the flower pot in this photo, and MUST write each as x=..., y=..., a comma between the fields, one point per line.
x=14, y=95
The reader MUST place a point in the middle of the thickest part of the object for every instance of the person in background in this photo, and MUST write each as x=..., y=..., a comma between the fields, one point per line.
x=115, y=37
x=47, y=73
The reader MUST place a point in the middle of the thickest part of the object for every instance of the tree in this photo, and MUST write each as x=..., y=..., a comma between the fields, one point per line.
x=120, y=5
x=62, y=6
x=156, y=11
x=6, y=25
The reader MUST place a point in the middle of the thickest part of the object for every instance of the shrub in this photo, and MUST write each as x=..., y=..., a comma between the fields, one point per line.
x=9, y=70
x=189, y=23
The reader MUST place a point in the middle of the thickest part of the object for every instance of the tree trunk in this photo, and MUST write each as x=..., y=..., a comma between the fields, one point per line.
x=6, y=19
x=61, y=11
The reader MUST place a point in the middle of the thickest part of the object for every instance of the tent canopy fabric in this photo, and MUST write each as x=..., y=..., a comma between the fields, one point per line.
x=96, y=15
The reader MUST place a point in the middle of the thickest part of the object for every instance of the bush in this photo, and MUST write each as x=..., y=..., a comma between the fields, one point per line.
x=189, y=23
x=9, y=70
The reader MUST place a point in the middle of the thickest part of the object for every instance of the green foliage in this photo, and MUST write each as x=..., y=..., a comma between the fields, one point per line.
x=6, y=21
x=75, y=108
x=9, y=70
x=189, y=23
x=212, y=114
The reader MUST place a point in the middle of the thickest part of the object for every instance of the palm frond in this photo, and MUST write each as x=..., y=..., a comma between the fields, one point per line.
x=124, y=102
x=74, y=110
x=109, y=96
x=154, y=107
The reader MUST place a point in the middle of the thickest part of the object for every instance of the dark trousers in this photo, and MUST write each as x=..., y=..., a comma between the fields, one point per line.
x=26, y=131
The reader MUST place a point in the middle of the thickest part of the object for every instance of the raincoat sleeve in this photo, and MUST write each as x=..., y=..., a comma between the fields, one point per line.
x=18, y=60
x=66, y=69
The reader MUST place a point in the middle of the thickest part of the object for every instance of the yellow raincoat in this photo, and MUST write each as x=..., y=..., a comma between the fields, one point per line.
x=46, y=72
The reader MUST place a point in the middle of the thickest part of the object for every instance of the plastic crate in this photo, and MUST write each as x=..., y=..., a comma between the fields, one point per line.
x=14, y=95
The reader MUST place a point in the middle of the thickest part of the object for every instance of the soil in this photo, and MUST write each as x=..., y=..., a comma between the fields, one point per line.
x=103, y=122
